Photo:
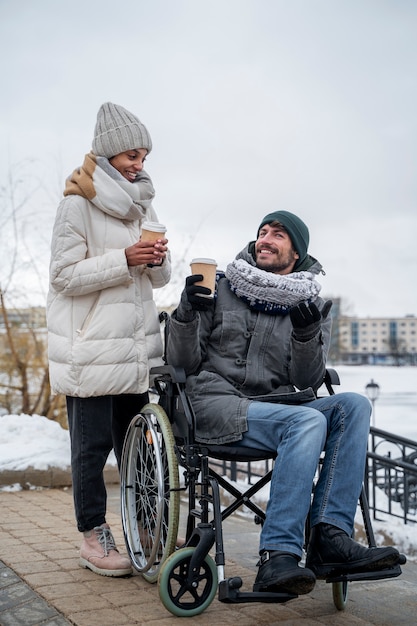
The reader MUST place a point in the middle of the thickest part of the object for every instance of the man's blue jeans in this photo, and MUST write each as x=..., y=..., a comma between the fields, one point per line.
x=337, y=424
x=96, y=425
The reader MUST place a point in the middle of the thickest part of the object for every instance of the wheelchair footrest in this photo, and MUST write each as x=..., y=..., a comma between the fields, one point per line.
x=391, y=572
x=229, y=592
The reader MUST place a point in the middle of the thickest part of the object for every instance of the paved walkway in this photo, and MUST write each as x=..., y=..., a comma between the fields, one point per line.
x=42, y=583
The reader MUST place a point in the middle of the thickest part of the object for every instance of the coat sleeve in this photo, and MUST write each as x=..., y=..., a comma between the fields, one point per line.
x=72, y=271
x=160, y=275
x=187, y=341
x=183, y=344
x=308, y=360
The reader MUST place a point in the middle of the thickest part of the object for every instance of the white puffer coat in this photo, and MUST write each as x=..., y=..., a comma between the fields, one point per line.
x=103, y=325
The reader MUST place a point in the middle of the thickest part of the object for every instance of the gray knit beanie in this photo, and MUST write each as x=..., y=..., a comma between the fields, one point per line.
x=117, y=131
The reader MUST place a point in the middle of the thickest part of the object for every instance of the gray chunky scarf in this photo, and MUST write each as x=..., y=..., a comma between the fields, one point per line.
x=271, y=293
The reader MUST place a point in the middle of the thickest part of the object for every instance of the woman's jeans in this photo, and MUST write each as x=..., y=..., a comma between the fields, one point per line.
x=337, y=424
x=96, y=425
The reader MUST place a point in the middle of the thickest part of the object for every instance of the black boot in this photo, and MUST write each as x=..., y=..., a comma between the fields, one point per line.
x=332, y=552
x=279, y=573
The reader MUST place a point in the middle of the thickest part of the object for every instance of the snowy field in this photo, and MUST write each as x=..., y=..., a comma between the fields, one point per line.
x=396, y=407
x=38, y=442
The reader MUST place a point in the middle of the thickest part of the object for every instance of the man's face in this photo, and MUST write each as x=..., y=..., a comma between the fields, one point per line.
x=274, y=250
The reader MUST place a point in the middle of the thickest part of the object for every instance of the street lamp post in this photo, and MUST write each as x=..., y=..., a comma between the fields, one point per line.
x=372, y=391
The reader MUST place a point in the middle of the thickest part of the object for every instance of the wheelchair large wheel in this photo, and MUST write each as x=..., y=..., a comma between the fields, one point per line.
x=178, y=597
x=340, y=595
x=149, y=491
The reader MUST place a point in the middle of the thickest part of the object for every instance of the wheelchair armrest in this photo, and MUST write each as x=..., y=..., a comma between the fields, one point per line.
x=332, y=377
x=176, y=374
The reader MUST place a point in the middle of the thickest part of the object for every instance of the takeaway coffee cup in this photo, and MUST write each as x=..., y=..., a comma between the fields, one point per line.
x=152, y=231
x=206, y=267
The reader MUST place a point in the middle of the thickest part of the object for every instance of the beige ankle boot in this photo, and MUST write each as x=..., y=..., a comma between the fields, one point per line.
x=99, y=553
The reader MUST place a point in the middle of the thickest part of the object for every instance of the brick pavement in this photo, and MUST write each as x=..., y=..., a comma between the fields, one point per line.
x=42, y=583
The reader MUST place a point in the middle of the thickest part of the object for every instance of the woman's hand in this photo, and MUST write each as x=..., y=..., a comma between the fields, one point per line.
x=146, y=253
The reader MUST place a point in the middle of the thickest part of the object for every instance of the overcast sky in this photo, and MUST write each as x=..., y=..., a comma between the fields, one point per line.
x=253, y=106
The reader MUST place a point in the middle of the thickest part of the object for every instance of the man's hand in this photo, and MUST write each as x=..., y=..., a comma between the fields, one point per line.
x=197, y=294
x=307, y=318
x=192, y=299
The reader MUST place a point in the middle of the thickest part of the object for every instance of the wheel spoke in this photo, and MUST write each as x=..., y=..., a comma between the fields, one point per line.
x=150, y=497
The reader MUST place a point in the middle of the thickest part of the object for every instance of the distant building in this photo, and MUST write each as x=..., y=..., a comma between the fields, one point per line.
x=32, y=317
x=377, y=341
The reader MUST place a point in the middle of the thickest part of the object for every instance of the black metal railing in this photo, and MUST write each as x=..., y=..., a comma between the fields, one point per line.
x=390, y=477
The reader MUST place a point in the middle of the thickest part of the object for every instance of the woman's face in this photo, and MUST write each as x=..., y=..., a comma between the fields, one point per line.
x=129, y=163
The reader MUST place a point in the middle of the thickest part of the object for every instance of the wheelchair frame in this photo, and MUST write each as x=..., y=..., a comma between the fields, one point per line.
x=161, y=438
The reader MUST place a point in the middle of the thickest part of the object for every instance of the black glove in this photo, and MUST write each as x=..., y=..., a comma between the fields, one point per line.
x=306, y=319
x=196, y=293
x=192, y=299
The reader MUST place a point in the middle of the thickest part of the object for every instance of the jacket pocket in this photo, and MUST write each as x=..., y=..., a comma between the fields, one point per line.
x=81, y=331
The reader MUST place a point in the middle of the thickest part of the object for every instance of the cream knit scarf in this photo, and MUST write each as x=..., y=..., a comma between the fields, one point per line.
x=271, y=293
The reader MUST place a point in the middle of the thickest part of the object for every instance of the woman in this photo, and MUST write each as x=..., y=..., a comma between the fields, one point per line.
x=103, y=325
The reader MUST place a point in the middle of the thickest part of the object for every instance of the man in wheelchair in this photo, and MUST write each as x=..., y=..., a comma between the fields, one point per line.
x=255, y=356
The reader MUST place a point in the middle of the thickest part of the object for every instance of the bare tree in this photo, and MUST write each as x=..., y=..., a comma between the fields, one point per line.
x=397, y=349
x=24, y=253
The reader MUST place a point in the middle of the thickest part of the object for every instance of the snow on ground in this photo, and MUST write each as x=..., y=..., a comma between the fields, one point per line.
x=395, y=410
x=34, y=441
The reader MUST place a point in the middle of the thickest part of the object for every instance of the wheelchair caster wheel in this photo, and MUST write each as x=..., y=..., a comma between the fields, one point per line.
x=179, y=597
x=340, y=595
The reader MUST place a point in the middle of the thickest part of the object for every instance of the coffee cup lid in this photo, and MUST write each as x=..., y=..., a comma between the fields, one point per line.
x=203, y=260
x=154, y=226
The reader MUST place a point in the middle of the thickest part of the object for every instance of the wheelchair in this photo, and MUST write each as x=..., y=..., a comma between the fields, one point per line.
x=160, y=439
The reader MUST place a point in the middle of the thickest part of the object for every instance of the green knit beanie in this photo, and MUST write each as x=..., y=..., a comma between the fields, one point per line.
x=296, y=229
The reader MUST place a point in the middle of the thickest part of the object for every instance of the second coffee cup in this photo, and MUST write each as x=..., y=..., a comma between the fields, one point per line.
x=206, y=267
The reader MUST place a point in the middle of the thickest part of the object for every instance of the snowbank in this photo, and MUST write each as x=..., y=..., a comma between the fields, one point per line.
x=34, y=441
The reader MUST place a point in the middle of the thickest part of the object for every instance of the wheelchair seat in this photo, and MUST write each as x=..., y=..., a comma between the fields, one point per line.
x=229, y=452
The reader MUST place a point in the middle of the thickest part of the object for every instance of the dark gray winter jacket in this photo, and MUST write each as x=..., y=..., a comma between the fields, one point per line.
x=234, y=355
